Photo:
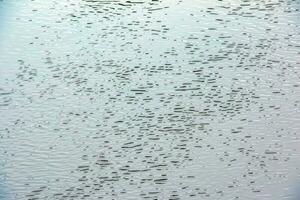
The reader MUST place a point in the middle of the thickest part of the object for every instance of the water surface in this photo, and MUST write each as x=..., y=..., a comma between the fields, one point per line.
x=149, y=99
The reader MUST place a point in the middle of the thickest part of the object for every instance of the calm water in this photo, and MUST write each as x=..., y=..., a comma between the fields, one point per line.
x=165, y=99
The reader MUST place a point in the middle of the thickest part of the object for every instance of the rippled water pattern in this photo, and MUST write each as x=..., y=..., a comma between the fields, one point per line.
x=161, y=99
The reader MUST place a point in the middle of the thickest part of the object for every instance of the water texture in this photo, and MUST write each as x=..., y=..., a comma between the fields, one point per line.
x=155, y=99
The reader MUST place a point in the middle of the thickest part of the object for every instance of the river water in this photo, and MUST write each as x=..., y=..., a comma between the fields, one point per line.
x=161, y=99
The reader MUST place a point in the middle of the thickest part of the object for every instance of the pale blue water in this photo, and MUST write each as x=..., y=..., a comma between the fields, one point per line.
x=149, y=100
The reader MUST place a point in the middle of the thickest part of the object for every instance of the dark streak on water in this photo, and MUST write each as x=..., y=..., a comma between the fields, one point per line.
x=150, y=99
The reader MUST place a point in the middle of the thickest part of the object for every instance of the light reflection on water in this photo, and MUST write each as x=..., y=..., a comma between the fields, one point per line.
x=154, y=99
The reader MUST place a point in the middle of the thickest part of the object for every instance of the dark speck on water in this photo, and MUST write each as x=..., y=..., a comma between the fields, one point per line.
x=149, y=99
